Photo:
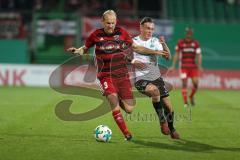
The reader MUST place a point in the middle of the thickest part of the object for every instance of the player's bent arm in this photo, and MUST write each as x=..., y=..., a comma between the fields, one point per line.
x=165, y=48
x=199, y=60
x=144, y=50
x=175, y=59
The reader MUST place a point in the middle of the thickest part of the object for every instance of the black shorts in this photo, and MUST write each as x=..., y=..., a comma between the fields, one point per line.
x=159, y=83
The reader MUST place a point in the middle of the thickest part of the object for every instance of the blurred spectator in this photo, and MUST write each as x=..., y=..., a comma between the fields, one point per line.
x=73, y=5
x=7, y=4
x=125, y=8
x=151, y=9
x=124, y=5
x=231, y=2
x=38, y=5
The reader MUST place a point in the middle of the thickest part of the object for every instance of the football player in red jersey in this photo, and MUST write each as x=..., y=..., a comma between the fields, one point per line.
x=187, y=50
x=112, y=46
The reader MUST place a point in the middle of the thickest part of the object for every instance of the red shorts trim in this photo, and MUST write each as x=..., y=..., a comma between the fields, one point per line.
x=121, y=86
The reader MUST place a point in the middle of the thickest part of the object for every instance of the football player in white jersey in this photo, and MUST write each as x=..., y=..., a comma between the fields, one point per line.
x=148, y=78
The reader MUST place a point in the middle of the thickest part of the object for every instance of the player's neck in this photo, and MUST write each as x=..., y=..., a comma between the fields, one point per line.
x=188, y=39
x=143, y=38
x=107, y=33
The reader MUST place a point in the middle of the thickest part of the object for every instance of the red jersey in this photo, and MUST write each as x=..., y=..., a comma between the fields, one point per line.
x=188, y=51
x=110, y=51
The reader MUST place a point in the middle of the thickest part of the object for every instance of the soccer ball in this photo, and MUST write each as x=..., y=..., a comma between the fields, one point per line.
x=102, y=133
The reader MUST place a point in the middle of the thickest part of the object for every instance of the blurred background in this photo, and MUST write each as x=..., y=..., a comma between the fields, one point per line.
x=35, y=33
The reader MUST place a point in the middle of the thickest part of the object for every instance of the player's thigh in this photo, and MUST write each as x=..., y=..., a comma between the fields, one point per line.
x=124, y=88
x=194, y=76
x=152, y=89
x=141, y=85
x=161, y=87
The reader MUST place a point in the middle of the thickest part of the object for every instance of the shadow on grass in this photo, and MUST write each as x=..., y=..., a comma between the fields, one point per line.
x=185, y=145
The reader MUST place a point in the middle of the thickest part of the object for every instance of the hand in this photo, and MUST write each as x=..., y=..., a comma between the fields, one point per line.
x=165, y=54
x=75, y=50
x=162, y=39
x=138, y=64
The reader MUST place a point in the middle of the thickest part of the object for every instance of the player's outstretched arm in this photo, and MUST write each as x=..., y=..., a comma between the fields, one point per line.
x=79, y=51
x=144, y=50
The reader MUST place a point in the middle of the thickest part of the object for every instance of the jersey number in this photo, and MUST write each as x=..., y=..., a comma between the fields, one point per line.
x=105, y=85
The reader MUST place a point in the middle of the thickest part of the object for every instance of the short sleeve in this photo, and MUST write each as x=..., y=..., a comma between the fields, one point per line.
x=157, y=44
x=178, y=46
x=90, y=41
x=198, y=49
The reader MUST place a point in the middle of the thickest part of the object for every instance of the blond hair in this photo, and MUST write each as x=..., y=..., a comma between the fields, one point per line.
x=109, y=12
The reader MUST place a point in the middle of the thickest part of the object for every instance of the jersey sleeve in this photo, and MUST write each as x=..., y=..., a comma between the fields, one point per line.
x=198, y=49
x=178, y=46
x=90, y=41
x=158, y=45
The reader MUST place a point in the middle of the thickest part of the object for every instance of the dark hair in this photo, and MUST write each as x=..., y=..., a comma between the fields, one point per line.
x=145, y=20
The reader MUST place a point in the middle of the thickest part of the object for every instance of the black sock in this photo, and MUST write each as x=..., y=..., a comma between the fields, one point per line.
x=159, y=110
x=170, y=119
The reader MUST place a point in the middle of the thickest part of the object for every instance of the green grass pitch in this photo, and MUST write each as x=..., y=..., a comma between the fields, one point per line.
x=30, y=130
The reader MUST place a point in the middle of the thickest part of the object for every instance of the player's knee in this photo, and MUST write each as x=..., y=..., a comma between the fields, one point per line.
x=129, y=109
x=153, y=91
x=117, y=108
x=195, y=85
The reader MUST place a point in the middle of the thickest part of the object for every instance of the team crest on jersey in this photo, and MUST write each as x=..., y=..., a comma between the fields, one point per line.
x=193, y=44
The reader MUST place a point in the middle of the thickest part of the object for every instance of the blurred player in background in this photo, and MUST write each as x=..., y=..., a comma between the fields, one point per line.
x=187, y=50
x=148, y=76
x=112, y=46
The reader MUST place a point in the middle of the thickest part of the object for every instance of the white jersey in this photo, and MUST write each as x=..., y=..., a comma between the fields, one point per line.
x=152, y=71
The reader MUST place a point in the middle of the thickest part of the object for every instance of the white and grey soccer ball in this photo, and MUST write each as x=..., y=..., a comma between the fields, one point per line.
x=102, y=133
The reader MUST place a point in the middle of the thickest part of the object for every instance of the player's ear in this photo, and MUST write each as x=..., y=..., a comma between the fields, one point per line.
x=141, y=28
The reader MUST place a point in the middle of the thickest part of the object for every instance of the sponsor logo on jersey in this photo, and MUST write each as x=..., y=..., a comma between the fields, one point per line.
x=188, y=49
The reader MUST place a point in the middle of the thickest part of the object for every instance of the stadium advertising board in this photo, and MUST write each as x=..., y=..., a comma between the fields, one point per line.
x=211, y=79
x=38, y=75
x=25, y=75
